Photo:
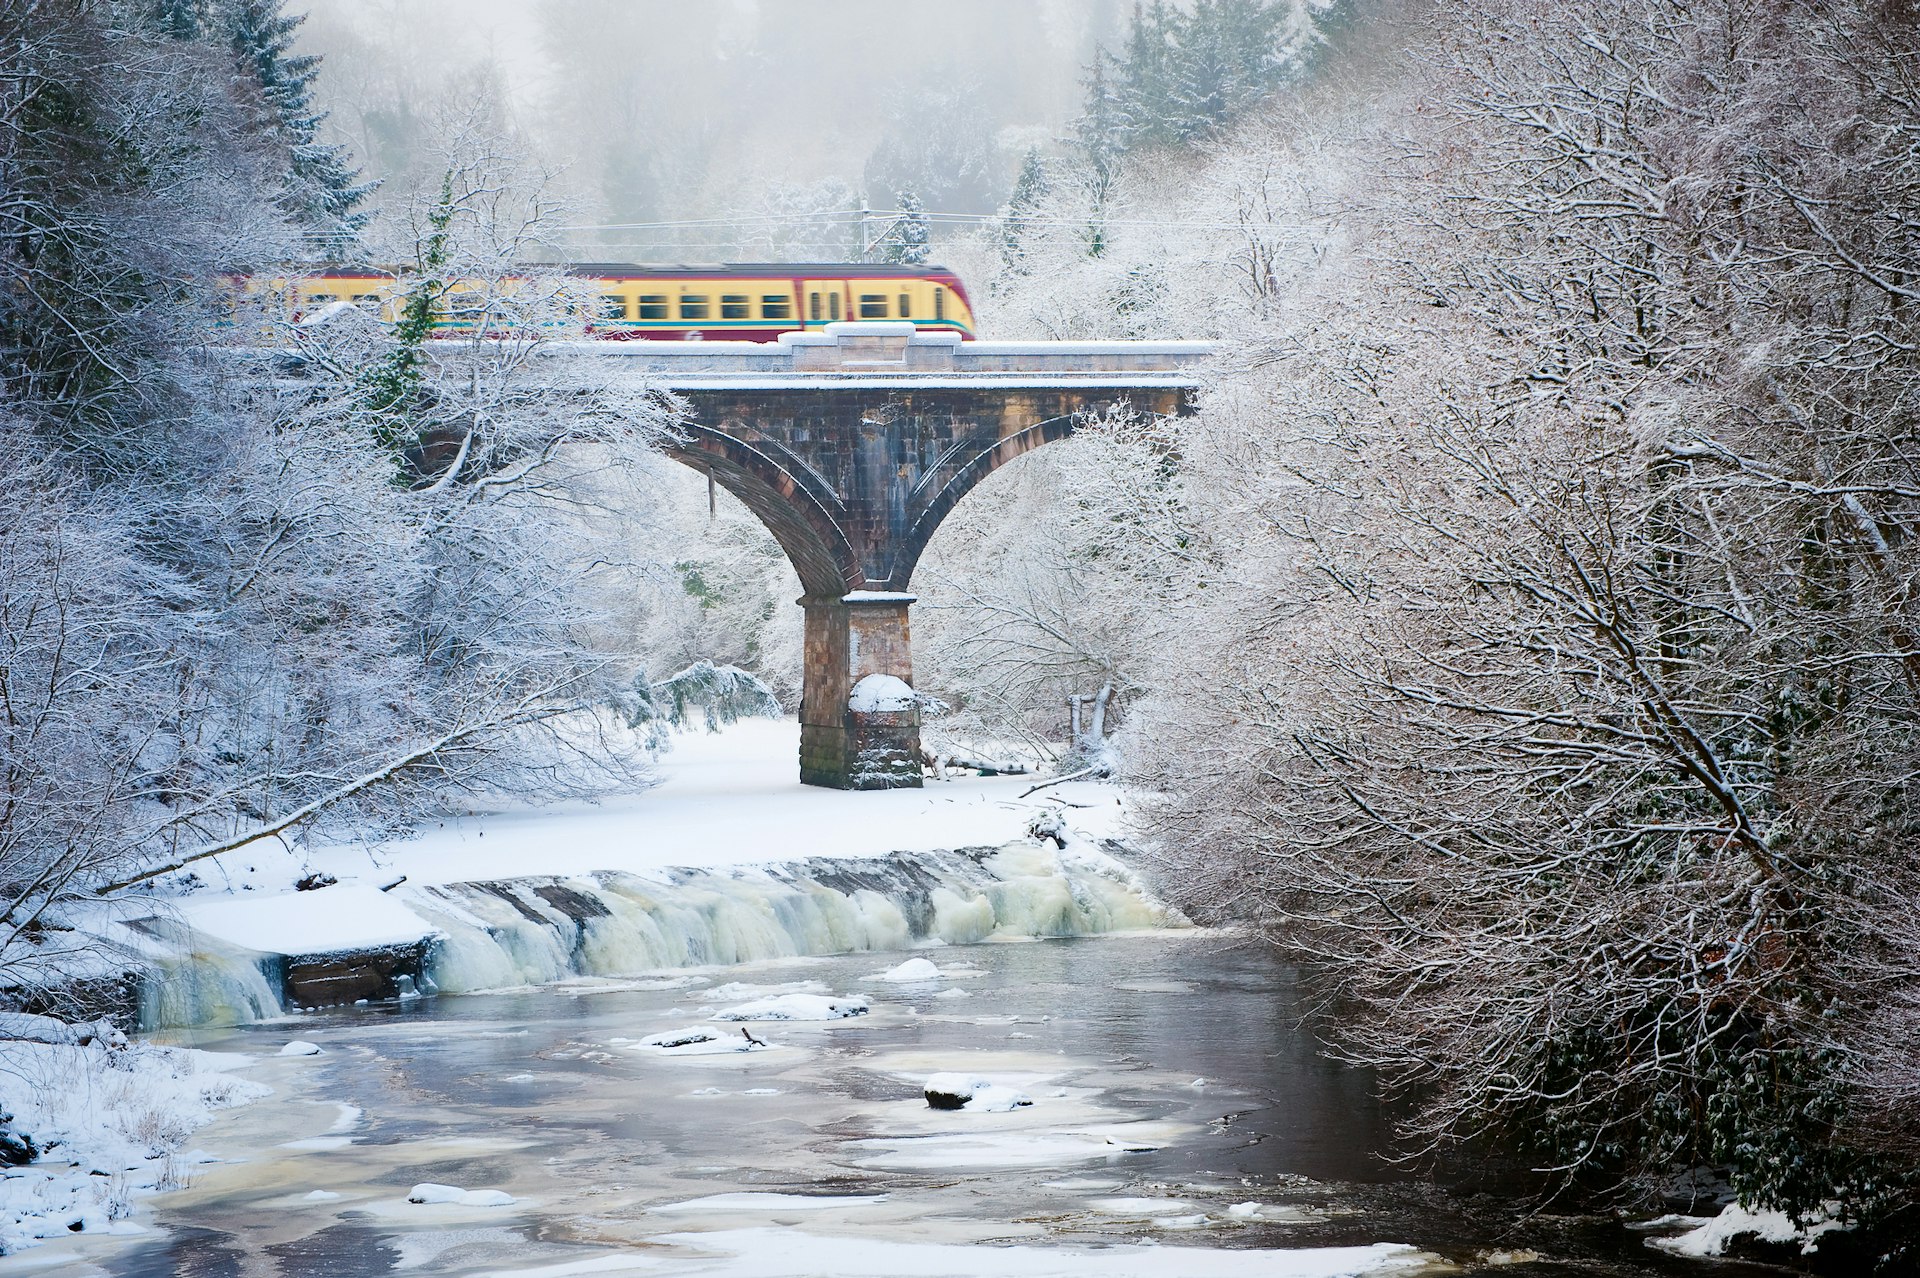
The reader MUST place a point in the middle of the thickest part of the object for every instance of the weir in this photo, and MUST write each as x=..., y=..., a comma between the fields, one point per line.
x=535, y=930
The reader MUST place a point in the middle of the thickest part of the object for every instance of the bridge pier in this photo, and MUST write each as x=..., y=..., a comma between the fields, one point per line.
x=857, y=735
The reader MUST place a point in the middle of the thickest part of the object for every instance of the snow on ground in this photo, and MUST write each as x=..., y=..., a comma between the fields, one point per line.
x=112, y=1125
x=731, y=798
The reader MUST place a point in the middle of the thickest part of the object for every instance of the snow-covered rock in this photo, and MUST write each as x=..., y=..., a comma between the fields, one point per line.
x=796, y=1007
x=300, y=1047
x=1711, y=1235
x=880, y=694
x=698, y=1041
x=969, y=1092
x=432, y=1193
x=914, y=970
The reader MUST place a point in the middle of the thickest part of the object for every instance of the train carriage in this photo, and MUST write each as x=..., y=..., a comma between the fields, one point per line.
x=752, y=302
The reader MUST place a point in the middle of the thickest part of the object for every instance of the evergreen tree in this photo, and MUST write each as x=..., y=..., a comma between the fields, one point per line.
x=1185, y=73
x=180, y=19
x=1144, y=87
x=1099, y=142
x=322, y=192
x=1019, y=219
x=908, y=240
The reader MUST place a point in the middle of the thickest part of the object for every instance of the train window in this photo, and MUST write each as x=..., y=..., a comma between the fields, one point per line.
x=612, y=307
x=906, y=306
x=321, y=299
x=693, y=306
x=873, y=306
x=362, y=298
x=814, y=306
x=939, y=303
x=653, y=306
x=833, y=305
x=735, y=306
x=779, y=306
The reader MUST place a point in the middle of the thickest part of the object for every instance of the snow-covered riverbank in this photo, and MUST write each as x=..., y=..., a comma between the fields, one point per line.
x=725, y=799
x=110, y=1125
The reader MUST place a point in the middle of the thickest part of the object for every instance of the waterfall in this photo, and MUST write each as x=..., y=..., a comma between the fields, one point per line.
x=527, y=931
x=536, y=929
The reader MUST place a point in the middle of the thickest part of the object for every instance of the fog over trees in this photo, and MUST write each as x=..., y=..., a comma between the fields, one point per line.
x=1522, y=634
x=728, y=113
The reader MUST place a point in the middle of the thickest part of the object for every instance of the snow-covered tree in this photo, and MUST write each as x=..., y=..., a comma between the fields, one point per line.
x=1023, y=208
x=908, y=239
x=1549, y=683
x=323, y=191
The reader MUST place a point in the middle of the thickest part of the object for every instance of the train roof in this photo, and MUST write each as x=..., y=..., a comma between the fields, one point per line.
x=827, y=270
x=822, y=270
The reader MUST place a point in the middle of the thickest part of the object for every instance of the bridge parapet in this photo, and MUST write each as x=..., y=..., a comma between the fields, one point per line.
x=897, y=352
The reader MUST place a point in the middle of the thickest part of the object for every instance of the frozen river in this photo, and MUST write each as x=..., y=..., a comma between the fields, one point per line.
x=1181, y=1124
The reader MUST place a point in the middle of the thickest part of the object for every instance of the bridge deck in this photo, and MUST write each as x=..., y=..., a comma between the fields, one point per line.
x=894, y=354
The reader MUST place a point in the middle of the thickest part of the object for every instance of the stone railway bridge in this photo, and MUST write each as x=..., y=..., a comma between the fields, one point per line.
x=851, y=445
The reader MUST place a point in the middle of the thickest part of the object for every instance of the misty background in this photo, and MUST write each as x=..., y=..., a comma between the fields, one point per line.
x=749, y=127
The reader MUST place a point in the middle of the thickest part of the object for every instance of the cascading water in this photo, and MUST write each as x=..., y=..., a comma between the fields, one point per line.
x=529, y=931
x=532, y=930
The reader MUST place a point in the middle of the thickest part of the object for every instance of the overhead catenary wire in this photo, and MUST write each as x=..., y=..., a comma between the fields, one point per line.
x=856, y=215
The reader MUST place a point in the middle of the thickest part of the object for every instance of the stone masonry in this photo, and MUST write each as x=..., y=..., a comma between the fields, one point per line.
x=851, y=446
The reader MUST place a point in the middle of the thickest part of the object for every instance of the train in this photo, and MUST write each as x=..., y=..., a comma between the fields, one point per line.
x=734, y=301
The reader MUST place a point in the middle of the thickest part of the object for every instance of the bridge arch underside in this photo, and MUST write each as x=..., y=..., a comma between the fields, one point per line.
x=801, y=520
x=853, y=484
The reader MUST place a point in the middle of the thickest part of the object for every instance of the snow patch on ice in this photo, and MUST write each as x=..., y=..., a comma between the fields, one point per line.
x=793, y=1253
x=431, y=1193
x=698, y=1040
x=772, y=1202
x=796, y=1007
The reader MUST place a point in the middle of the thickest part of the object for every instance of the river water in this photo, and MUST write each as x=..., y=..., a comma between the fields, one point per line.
x=1182, y=1123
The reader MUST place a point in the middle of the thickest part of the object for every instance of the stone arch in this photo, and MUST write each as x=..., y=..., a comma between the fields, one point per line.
x=908, y=549
x=792, y=507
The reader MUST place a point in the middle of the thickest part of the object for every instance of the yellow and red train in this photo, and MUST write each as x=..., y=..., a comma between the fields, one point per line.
x=749, y=302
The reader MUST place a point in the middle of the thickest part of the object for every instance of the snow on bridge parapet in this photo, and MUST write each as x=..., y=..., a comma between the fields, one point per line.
x=895, y=353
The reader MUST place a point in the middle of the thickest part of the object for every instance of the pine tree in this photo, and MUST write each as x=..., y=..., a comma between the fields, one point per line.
x=1019, y=219
x=1186, y=72
x=908, y=240
x=180, y=19
x=1147, y=70
x=322, y=192
x=1099, y=142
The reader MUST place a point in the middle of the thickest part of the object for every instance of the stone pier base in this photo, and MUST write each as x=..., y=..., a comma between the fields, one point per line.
x=876, y=747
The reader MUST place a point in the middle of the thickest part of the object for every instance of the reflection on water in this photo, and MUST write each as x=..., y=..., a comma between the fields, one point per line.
x=1175, y=1101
